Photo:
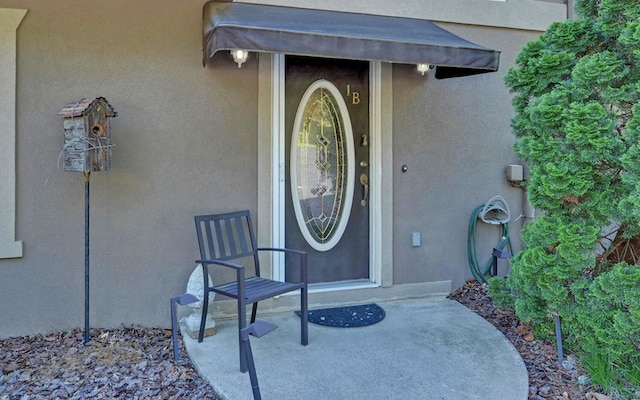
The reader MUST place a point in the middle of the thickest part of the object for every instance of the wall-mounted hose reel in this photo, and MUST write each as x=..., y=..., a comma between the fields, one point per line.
x=494, y=212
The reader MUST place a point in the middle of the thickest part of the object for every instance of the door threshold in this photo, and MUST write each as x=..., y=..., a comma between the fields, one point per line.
x=342, y=285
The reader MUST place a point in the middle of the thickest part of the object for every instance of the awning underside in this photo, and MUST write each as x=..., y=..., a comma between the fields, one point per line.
x=306, y=32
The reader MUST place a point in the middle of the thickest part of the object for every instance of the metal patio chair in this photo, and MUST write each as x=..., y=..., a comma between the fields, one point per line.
x=230, y=236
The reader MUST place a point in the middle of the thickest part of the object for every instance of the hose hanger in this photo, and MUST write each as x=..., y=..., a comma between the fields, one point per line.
x=495, y=211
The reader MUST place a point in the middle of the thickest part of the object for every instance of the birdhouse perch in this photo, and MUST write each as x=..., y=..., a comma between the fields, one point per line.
x=87, y=135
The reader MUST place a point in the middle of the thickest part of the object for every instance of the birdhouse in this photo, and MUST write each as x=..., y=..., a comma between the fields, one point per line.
x=87, y=135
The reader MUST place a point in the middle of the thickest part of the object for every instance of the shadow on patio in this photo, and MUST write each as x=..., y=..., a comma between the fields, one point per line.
x=429, y=348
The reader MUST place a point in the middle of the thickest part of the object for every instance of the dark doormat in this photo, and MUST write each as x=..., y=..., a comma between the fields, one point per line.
x=347, y=317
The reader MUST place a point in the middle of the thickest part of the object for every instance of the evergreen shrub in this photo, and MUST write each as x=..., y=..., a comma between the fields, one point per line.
x=577, y=125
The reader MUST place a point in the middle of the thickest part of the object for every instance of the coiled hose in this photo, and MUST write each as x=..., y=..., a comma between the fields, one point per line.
x=481, y=274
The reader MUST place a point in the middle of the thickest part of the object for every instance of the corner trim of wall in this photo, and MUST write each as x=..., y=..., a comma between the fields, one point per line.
x=9, y=21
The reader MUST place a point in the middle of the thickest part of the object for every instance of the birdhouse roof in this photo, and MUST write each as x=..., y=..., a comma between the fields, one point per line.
x=84, y=106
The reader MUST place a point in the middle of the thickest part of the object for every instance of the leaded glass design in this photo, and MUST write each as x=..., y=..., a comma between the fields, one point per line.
x=321, y=166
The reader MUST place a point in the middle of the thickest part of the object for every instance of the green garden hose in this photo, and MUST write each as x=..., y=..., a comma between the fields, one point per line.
x=481, y=273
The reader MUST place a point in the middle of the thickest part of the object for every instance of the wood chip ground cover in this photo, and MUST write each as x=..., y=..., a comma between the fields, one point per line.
x=129, y=362
x=548, y=379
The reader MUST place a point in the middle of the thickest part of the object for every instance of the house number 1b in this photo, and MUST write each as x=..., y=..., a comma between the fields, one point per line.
x=355, y=96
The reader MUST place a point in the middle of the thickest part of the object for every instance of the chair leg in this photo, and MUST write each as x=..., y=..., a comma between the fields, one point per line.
x=248, y=354
x=254, y=311
x=242, y=323
x=203, y=318
x=304, y=317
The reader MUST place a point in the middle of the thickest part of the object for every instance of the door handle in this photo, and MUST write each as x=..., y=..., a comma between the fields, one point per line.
x=364, y=181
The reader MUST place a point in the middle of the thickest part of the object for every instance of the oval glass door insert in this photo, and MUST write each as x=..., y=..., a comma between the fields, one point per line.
x=322, y=165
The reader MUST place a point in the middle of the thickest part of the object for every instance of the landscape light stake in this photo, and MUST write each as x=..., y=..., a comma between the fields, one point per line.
x=556, y=320
x=183, y=300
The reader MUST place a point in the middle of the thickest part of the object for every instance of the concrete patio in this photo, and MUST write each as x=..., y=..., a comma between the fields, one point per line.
x=426, y=348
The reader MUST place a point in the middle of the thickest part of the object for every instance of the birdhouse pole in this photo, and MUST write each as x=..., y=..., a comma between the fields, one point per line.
x=87, y=176
x=87, y=147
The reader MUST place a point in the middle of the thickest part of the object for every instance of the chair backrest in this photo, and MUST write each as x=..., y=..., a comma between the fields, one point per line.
x=227, y=236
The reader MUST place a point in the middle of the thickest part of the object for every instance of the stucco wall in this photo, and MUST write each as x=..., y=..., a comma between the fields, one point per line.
x=186, y=144
x=455, y=138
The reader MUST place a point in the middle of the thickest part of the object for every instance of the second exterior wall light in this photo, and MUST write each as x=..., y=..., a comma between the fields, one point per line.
x=423, y=68
x=239, y=56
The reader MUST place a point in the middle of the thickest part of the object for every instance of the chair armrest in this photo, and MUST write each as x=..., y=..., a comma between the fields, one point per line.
x=302, y=254
x=299, y=252
x=239, y=272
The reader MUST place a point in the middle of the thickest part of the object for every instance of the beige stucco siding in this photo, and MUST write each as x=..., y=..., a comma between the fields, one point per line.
x=455, y=138
x=186, y=143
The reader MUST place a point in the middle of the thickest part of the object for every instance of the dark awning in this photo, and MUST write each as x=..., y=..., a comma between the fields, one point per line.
x=299, y=31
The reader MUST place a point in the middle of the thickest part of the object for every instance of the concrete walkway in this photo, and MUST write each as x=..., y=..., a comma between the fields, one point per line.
x=423, y=349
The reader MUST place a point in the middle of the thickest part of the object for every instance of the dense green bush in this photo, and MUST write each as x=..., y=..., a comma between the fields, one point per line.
x=500, y=293
x=608, y=324
x=577, y=125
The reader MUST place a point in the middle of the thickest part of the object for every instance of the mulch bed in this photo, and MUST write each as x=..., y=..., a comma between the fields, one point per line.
x=548, y=379
x=137, y=363
x=125, y=363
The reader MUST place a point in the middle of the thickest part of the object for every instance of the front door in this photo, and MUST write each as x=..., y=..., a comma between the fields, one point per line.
x=327, y=147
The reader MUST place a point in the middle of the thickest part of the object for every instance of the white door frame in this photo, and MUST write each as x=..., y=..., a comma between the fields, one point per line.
x=271, y=168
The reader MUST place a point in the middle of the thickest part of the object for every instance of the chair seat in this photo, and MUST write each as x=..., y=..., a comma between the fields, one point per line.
x=257, y=288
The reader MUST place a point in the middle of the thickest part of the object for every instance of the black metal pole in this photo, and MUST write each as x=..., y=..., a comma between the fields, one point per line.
x=556, y=320
x=86, y=257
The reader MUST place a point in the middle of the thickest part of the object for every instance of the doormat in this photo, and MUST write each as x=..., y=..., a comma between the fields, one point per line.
x=347, y=317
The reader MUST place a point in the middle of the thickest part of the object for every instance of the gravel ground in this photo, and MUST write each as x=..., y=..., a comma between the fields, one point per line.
x=137, y=363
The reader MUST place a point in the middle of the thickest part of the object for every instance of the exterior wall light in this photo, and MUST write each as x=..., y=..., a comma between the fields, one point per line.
x=239, y=56
x=423, y=68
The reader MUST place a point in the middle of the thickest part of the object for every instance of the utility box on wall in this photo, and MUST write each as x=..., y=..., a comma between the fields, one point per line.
x=87, y=135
